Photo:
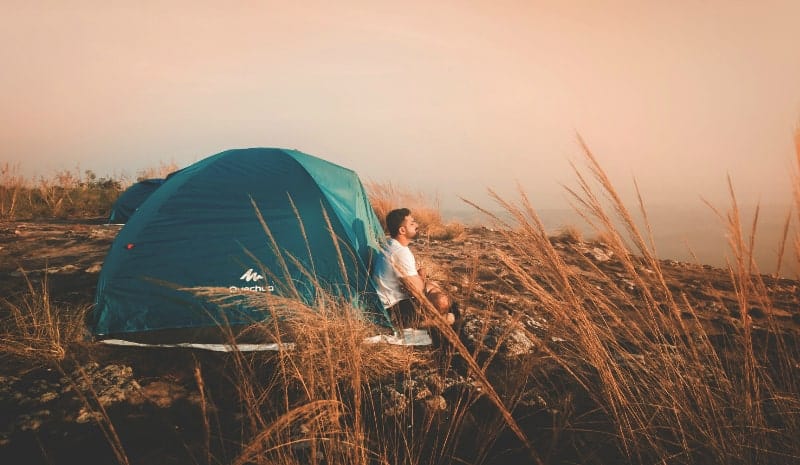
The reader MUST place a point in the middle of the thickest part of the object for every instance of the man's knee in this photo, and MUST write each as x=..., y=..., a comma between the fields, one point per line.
x=440, y=300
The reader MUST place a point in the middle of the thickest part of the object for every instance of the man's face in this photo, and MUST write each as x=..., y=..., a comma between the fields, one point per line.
x=410, y=225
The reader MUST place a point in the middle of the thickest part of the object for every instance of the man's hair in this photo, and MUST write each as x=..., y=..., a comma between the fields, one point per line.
x=394, y=219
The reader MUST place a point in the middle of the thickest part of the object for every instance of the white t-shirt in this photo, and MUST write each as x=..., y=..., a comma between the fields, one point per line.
x=396, y=260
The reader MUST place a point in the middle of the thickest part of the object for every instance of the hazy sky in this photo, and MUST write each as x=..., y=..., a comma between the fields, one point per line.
x=460, y=95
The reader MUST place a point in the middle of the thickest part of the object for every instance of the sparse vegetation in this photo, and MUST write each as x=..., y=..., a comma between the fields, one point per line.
x=157, y=172
x=34, y=327
x=67, y=194
x=624, y=372
x=385, y=197
x=669, y=393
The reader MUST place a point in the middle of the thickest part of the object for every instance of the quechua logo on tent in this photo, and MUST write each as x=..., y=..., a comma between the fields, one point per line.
x=253, y=277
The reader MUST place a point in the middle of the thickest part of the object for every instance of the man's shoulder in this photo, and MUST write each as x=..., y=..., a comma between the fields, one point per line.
x=394, y=248
x=393, y=245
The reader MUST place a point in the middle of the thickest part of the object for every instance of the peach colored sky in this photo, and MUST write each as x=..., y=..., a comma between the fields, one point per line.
x=466, y=95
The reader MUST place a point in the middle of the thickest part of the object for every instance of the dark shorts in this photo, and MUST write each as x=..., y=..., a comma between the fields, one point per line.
x=404, y=314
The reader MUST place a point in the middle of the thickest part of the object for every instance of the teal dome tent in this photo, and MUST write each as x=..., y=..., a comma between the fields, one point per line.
x=130, y=200
x=201, y=230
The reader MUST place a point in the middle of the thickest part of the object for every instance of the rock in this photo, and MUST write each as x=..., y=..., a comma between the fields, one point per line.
x=28, y=423
x=32, y=422
x=601, y=255
x=95, y=268
x=64, y=269
x=85, y=416
x=393, y=403
x=436, y=404
x=162, y=393
x=518, y=344
x=534, y=324
x=487, y=332
x=112, y=383
x=48, y=396
x=104, y=233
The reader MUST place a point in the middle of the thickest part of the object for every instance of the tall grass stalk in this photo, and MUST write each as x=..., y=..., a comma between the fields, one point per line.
x=318, y=386
x=671, y=395
x=34, y=327
x=11, y=186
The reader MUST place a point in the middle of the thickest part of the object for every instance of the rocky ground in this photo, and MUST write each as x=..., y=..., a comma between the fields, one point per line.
x=152, y=398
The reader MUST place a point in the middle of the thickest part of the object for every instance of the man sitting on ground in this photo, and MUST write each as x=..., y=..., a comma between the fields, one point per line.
x=397, y=271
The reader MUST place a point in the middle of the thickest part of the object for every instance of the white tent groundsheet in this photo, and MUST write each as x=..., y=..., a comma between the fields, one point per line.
x=406, y=337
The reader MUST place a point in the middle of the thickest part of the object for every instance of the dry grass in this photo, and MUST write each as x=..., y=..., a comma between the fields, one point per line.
x=313, y=403
x=157, y=172
x=670, y=394
x=604, y=237
x=11, y=188
x=67, y=194
x=315, y=407
x=34, y=328
x=386, y=197
x=796, y=190
x=667, y=392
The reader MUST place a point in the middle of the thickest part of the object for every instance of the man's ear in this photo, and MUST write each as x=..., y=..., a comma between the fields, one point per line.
x=401, y=230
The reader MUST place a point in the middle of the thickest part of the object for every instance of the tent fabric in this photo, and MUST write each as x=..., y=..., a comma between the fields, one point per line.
x=131, y=199
x=201, y=230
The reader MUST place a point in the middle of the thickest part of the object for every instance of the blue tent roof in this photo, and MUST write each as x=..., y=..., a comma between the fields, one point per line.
x=131, y=199
x=201, y=230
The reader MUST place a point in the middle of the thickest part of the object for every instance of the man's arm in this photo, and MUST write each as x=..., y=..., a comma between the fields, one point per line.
x=406, y=266
x=416, y=283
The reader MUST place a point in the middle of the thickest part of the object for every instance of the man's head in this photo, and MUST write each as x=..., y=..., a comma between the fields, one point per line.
x=401, y=224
